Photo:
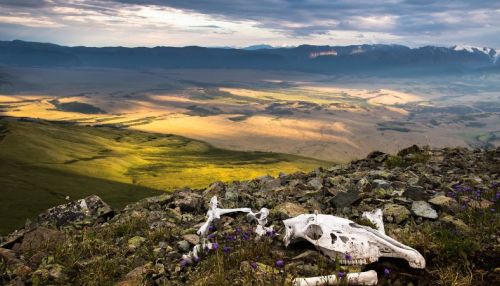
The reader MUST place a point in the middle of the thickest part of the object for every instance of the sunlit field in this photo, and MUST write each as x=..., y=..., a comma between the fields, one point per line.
x=42, y=163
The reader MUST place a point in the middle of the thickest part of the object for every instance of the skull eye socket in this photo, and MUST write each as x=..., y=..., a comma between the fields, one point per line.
x=314, y=232
x=334, y=237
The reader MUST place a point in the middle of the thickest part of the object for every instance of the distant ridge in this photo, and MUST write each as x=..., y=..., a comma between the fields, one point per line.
x=365, y=59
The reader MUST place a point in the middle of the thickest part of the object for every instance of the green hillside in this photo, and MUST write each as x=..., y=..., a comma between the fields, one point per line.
x=43, y=162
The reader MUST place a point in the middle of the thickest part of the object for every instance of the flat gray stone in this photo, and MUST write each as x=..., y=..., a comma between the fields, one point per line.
x=423, y=209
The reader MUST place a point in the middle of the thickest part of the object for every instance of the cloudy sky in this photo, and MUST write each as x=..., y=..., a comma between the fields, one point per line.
x=246, y=22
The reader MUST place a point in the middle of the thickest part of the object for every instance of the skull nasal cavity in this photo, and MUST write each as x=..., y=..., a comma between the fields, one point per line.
x=314, y=232
x=334, y=237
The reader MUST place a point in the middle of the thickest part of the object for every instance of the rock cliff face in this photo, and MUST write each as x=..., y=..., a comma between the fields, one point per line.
x=444, y=203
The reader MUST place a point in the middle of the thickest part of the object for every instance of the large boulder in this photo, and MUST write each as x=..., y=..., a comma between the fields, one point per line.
x=89, y=209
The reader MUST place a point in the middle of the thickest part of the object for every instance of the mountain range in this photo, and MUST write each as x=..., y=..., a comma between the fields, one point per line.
x=369, y=59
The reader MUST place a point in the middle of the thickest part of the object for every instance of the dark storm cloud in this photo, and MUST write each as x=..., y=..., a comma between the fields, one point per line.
x=23, y=3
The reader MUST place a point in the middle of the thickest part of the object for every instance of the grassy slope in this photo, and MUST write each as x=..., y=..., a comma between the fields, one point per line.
x=41, y=163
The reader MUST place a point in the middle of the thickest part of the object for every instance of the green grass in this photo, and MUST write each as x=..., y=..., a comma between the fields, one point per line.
x=41, y=163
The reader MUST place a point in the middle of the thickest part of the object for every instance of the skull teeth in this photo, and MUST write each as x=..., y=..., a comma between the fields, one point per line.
x=353, y=261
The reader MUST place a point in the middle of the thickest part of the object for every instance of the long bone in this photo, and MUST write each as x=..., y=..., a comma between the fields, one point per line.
x=215, y=213
x=357, y=278
x=335, y=237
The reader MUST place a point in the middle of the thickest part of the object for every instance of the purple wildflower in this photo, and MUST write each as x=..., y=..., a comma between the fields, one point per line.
x=184, y=263
x=238, y=230
x=478, y=193
x=245, y=235
x=212, y=228
x=196, y=259
x=341, y=274
x=280, y=263
x=215, y=246
x=226, y=249
x=348, y=256
x=206, y=249
x=254, y=265
x=211, y=236
x=387, y=271
x=492, y=210
x=270, y=233
x=497, y=196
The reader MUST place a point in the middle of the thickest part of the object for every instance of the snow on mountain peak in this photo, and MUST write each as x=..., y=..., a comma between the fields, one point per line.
x=493, y=54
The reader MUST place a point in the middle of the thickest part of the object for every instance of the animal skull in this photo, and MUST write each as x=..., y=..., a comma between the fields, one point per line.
x=335, y=237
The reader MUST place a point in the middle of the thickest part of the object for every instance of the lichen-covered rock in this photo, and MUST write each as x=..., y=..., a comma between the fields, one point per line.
x=395, y=213
x=90, y=209
x=135, y=242
x=288, y=209
x=443, y=201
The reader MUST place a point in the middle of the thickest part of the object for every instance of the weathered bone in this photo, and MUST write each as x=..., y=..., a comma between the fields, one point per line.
x=195, y=253
x=335, y=237
x=357, y=278
x=261, y=218
x=215, y=213
x=376, y=218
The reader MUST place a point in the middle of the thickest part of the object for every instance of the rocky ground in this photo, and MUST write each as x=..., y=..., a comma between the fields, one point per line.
x=444, y=203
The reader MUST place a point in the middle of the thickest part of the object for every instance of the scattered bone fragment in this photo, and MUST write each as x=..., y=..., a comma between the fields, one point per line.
x=358, y=278
x=215, y=213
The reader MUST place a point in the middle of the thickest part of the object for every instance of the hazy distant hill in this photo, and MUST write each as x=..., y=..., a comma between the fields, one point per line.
x=370, y=59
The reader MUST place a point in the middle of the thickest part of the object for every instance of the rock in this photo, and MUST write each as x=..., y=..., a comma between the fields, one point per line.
x=183, y=245
x=364, y=185
x=423, y=209
x=316, y=183
x=414, y=149
x=134, y=277
x=382, y=184
x=215, y=189
x=395, y=213
x=8, y=256
x=345, y=199
x=37, y=240
x=148, y=202
x=135, y=242
x=193, y=239
x=442, y=201
x=310, y=256
x=231, y=195
x=90, y=209
x=288, y=210
x=481, y=204
x=56, y=272
x=270, y=184
x=189, y=201
x=416, y=193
